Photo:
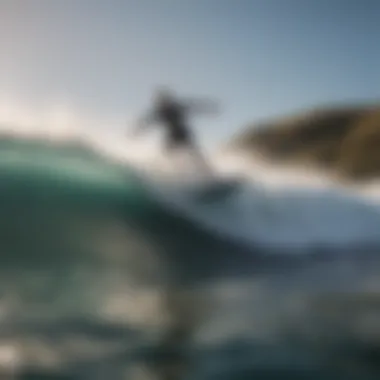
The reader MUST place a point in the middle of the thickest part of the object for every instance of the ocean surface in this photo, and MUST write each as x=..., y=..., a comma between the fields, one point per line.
x=111, y=268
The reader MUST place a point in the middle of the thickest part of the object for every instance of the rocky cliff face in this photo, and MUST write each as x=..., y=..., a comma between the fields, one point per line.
x=345, y=140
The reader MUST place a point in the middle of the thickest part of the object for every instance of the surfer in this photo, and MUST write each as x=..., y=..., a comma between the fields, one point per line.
x=172, y=114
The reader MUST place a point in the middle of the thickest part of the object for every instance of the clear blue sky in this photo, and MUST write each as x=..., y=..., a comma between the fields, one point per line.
x=258, y=57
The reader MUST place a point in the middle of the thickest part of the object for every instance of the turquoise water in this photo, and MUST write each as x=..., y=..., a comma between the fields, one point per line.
x=100, y=280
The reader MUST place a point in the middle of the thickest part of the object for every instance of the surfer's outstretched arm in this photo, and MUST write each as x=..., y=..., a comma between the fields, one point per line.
x=201, y=106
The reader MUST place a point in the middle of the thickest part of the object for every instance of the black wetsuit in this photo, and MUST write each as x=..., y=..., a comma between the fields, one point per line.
x=173, y=117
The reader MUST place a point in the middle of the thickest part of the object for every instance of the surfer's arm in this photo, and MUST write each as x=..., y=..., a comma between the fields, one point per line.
x=201, y=106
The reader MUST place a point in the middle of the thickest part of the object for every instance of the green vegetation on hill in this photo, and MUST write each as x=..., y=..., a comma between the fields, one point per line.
x=343, y=140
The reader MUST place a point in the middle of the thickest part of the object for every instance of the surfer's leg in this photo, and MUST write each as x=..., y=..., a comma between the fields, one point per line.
x=182, y=146
x=199, y=159
x=188, y=160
